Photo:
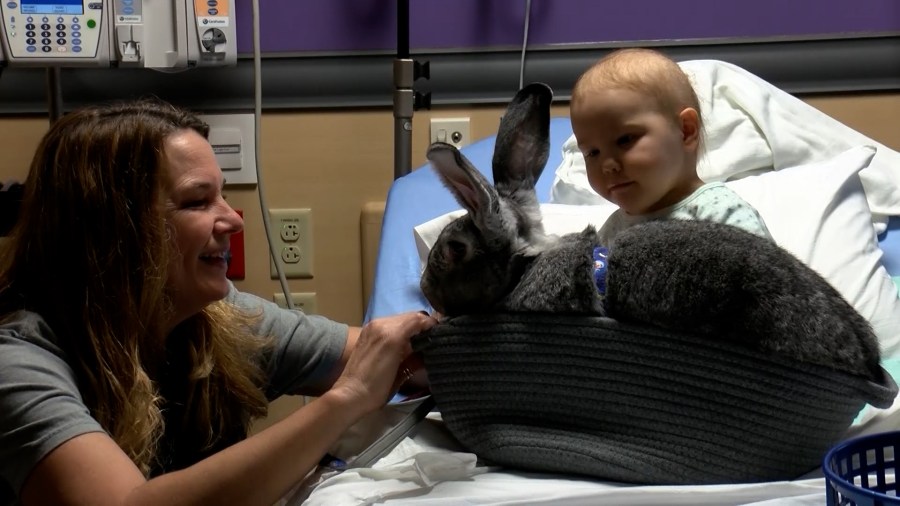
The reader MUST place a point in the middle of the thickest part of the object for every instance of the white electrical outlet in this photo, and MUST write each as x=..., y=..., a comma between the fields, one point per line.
x=450, y=130
x=292, y=230
x=304, y=301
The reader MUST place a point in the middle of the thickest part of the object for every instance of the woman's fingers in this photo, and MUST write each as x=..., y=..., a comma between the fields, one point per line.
x=374, y=369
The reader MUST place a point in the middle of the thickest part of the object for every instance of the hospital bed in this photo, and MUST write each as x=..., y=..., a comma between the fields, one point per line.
x=825, y=197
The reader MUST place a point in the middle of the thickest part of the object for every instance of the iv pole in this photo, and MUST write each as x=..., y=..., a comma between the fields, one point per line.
x=406, y=100
x=54, y=93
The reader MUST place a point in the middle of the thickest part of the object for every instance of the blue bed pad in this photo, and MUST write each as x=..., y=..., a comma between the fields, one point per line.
x=419, y=197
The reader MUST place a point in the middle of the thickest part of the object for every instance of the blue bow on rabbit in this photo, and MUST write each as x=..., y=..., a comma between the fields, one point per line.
x=705, y=278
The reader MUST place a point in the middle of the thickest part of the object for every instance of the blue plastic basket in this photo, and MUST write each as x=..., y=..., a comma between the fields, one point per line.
x=863, y=471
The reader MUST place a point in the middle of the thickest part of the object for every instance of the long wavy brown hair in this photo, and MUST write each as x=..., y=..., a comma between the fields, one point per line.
x=90, y=252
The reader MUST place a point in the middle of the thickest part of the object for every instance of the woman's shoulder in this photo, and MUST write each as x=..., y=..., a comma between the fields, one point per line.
x=40, y=403
x=26, y=327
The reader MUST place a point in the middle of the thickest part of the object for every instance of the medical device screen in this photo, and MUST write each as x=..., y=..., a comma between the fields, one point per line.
x=52, y=7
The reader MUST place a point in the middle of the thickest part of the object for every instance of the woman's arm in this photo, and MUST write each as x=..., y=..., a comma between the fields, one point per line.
x=352, y=338
x=91, y=469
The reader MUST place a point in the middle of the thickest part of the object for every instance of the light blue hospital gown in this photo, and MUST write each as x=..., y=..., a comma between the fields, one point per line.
x=711, y=202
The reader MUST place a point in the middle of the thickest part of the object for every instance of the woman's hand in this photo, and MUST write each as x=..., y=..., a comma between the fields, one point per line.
x=374, y=370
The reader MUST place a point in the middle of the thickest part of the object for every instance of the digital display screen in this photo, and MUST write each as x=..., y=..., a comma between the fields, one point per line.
x=52, y=7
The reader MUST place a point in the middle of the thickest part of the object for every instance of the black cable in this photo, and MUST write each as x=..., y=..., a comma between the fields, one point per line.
x=402, y=29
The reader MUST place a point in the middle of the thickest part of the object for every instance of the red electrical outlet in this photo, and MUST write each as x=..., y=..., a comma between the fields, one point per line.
x=236, y=257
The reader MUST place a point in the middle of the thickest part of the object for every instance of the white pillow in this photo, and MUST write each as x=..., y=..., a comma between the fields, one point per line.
x=819, y=213
x=751, y=126
x=816, y=211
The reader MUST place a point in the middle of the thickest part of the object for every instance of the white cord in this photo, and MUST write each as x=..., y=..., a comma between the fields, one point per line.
x=524, y=44
x=257, y=115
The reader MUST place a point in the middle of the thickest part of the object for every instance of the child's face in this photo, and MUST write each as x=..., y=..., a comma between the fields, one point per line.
x=636, y=157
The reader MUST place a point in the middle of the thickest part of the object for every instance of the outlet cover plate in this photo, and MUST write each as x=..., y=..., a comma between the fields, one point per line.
x=292, y=233
x=304, y=301
x=451, y=130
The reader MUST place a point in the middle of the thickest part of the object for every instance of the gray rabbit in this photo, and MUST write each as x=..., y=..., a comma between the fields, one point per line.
x=704, y=278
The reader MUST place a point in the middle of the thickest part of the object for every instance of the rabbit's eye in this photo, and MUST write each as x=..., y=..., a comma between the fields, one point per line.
x=456, y=249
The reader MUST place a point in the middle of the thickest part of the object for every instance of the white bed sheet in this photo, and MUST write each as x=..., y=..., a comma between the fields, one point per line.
x=431, y=469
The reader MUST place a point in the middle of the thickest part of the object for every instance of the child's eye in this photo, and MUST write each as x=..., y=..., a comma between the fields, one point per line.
x=590, y=153
x=626, y=139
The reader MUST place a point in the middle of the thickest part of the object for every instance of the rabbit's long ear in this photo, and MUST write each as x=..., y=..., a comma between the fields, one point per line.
x=523, y=140
x=472, y=190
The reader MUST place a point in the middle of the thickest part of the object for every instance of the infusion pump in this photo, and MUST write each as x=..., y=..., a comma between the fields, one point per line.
x=161, y=34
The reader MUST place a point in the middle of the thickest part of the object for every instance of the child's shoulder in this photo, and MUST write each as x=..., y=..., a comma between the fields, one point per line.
x=715, y=194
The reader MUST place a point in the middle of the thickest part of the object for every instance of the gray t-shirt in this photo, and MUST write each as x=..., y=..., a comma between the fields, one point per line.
x=41, y=406
x=711, y=202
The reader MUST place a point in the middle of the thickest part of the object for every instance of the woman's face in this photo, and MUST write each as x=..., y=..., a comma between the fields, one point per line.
x=200, y=224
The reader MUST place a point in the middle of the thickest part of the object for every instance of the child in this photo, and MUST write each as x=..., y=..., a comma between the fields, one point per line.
x=637, y=122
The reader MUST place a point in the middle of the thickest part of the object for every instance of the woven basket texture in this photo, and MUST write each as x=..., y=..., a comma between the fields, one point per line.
x=628, y=403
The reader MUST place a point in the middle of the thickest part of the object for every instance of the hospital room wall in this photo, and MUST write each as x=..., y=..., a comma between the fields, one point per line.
x=339, y=162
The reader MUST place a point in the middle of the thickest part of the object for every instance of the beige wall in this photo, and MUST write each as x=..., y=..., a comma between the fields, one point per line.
x=339, y=162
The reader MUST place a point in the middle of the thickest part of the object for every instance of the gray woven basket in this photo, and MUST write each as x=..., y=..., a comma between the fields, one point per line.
x=593, y=396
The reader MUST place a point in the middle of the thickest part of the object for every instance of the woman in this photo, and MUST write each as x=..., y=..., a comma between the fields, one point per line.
x=130, y=368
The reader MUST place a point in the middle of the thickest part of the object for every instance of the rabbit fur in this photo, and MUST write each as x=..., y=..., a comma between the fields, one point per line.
x=705, y=278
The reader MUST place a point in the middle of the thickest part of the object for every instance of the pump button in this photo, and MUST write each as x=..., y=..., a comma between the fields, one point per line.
x=90, y=24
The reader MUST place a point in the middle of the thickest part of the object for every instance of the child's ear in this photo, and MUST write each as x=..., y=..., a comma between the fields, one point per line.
x=690, y=127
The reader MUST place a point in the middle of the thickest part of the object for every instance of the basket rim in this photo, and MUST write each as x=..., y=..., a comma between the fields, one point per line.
x=878, y=394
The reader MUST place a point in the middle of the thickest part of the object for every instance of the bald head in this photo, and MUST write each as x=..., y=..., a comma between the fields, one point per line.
x=643, y=71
